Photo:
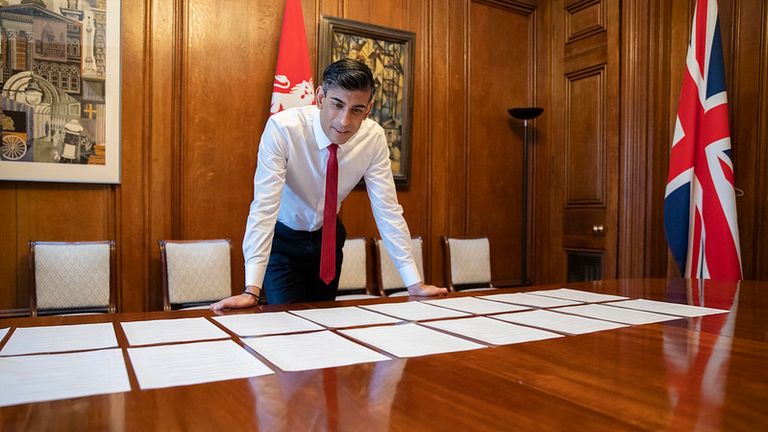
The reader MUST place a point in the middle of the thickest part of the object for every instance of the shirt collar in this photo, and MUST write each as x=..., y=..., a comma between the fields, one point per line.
x=322, y=140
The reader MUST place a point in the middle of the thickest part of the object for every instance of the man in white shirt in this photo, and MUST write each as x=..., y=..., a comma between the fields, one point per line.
x=303, y=151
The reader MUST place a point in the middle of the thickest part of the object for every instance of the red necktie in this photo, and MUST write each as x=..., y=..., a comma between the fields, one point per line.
x=328, y=249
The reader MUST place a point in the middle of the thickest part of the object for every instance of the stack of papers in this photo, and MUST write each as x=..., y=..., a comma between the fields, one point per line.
x=491, y=331
x=414, y=311
x=667, y=308
x=266, y=324
x=38, y=378
x=193, y=363
x=577, y=295
x=559, y=322
x=531, y=300
x=410, y=340
x=476, y=306
x=339, y=317
x=171, y=330
x=315, y=350
x=51, y=339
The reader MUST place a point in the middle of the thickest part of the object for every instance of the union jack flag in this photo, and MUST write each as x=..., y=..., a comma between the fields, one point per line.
x=700, y=205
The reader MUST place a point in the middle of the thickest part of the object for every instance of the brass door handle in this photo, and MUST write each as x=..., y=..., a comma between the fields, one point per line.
x=598, y=229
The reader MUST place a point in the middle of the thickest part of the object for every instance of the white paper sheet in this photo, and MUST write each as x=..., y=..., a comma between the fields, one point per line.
x=476, y=306
x=578, y=295
x=193, y=363
x=667, y=308
x=530, y=300
x=3, y=332
x=491, y=331
x=314, y=350
x=267, y=323
x=559, y=322
x=414, y=311
x=621, y=315
x=46, y=377
x=410, y=340
x=339, y=317
x=171, y=330
x=51, y=339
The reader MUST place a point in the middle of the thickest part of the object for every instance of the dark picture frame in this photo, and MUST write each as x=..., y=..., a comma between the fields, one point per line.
x=390, y=55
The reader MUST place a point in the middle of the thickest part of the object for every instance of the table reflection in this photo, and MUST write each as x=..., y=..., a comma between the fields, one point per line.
x=345, y=398
x=697, y=360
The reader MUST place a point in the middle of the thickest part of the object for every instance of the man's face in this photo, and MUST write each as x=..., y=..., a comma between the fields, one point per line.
x=342, y=112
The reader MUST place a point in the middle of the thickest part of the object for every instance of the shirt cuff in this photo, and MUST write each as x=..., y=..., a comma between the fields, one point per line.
x=410, y=274
x=254, y=275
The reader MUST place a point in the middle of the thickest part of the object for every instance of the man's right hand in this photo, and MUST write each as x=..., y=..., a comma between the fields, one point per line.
x=243, y=300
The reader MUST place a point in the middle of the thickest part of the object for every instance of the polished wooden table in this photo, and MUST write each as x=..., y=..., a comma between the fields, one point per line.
x=705, y=373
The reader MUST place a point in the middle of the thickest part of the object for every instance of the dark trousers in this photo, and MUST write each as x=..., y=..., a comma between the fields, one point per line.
x=293, y=272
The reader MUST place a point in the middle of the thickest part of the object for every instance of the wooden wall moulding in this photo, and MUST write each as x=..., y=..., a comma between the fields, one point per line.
x=585, y=137
x=494, y=146
x=526, y=7
x=583, y=19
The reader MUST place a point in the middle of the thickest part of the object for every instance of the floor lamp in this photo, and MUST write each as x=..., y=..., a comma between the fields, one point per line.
x=525, y=114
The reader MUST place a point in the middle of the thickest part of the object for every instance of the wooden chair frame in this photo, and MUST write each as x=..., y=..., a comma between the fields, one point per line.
x=111, y=307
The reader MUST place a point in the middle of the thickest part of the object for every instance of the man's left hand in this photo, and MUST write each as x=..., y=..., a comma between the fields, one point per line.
x=423, y=290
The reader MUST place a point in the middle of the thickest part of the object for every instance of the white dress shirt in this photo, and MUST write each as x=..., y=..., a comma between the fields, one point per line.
x=289, y=186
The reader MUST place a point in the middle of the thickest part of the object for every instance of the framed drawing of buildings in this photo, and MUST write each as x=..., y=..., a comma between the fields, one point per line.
x=60, y=80
x=390, y=55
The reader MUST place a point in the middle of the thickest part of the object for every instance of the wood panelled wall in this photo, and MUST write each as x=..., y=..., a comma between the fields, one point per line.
x=197, y=79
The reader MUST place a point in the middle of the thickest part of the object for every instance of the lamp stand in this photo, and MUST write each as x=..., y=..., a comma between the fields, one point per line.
x=524, y=114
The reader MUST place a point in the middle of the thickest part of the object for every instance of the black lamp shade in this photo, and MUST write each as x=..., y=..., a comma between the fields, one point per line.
x=525, y=113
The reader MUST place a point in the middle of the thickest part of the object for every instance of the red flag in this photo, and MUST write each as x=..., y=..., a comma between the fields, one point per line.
x=700, y=204
x=293, y=85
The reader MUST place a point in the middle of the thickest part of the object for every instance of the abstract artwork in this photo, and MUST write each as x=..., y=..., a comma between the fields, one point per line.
x=389, y=53
x=60, y=66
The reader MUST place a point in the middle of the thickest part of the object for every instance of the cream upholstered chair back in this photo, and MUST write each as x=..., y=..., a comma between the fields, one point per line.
x=467, y=262
x=390, y=282
x=354, y=267
x=72, y=276
x=354, y=281
x=195, y=271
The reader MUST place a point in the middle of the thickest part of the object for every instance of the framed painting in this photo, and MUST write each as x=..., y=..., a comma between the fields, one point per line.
x=390, y=55
x=60, y=90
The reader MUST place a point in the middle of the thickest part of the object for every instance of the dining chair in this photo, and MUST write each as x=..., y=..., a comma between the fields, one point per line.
x=467, y=263
x=388, y=278
x=195, y=272
x=72, y=277
x=355, y=280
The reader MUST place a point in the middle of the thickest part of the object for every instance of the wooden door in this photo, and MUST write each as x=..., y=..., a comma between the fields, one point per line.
x=586, y=83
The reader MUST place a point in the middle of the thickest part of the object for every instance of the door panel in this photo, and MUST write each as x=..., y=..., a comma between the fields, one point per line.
x=586, y=63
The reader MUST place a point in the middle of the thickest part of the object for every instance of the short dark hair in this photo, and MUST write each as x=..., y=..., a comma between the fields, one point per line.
x=350, y=75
